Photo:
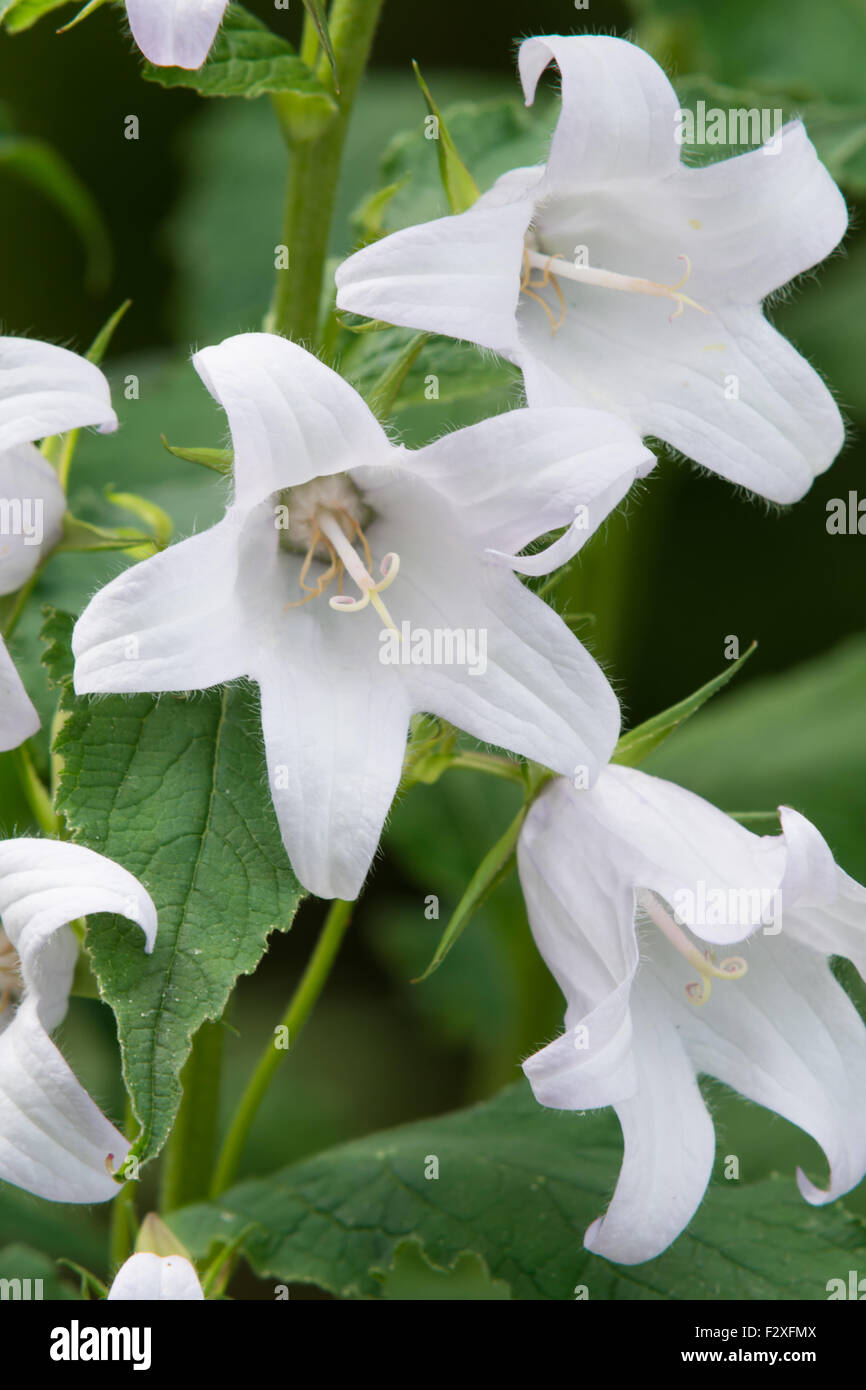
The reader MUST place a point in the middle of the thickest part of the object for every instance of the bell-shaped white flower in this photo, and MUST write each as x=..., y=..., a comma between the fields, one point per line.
x=685, y=944
x=619, y=277
x=175, y=33
x=44, y=390
x=149, y=1278
x=54, y=1141
x=326, y=507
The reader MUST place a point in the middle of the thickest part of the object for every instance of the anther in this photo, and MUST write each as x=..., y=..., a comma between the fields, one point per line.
x=370, y=589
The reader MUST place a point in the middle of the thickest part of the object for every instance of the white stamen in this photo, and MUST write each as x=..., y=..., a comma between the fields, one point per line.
x=367, y=585
x=731, y=968
x=612, y=280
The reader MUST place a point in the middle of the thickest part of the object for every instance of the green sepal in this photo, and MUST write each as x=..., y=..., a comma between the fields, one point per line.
x=219, y=460
x=461, y=189
x=638, y=743
x=316, y=10
x=81, y=535
x=158, y=522
x=248, y=60
x=494, y=867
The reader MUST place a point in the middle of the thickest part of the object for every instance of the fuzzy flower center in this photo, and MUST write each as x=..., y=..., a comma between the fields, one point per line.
x=698, y=991
x=325, y=523
x=10, y=972
x=536, y=260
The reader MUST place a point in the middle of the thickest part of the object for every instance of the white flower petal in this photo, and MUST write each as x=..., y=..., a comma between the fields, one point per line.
x=541, y=694
x=32, y=507
x=786, y=1036
x=458, y=275
x=588, y=942
x=335, y=724
x=18, y=718
x=822, y=906
x=44, y=884
x=176, y=621
x=291, y=417
x=45, y=390
x=618, y=116
x=146, y=1278
x=175, y=33
x=519, y=475
x=54, y=1141
x=666, y=839
x=727, y=390
x=669, y=1146
x=752, y=223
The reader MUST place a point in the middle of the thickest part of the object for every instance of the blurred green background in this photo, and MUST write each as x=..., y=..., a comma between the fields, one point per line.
x=193, y=212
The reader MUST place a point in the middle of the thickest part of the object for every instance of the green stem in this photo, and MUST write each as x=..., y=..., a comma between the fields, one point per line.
x=37, y=796
x=313, y=173
x=124, y=1225
x=309, y=42
x=122, y=1240
x=490, y=763
x=64, y=462
x=187, y=1167
x=10, y=621
x=300, y=1007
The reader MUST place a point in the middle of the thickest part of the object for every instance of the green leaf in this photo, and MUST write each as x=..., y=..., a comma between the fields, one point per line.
x=176, y=790
x=21, y=1263
x=438, y=371
x=517, y=1186
x=638, y=743
x=412, y=1276
x=796, y=739
x=84, y=13
x=248, y=60
x=21, y=14
x=57, y=645
x=794, y=46
x=38, y=164
x=461, y=189
x=50, y=1226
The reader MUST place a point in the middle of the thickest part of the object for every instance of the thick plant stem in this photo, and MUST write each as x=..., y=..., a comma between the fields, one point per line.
x=283, y=1039
x=122, y=1239
x=188, y=1164
x=37, y=795
x=313, y=173
x=124, y=1224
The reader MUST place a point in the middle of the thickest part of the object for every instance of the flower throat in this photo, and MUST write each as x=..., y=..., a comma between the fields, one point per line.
x=326, y=520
